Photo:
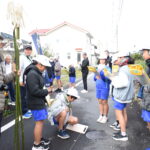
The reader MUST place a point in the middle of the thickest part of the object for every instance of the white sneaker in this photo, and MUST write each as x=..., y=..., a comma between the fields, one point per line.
x=104, y=119
x=84, y=91
x=13, y=103
x=100, y=118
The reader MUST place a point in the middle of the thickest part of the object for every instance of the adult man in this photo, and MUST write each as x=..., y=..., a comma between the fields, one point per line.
x=84, y=70
x=3, y=79
x=109, y=59
x=36, y=98
x=59, y=111
x=25, y=60
x=8, y=66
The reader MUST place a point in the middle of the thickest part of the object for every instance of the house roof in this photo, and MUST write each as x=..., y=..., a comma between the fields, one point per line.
x=39, y=31
x=6, y=36
x=47, y=31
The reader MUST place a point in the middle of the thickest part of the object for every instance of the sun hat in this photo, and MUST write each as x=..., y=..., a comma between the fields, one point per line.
x=73, y=92
x=42, y=59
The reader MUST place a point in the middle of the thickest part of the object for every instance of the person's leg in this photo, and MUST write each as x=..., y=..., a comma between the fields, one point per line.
x=1, y=116
x=23, y=99
x=106, y=107
x=125, y=116
x=11, y=91
x=84, y=76
x=101, y=107
x=148, y=125
x=72, y=120
x=122, y=121
x=38, y=131
x=61, y=119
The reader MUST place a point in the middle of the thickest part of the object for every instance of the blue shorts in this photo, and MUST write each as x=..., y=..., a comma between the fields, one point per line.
x=72, y=79
x=41, y=114
x=118, y=105
x=102, y=94
x=57, y=77
x=146, y=115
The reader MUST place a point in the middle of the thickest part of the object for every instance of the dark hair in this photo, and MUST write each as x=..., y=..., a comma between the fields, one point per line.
x=72, y=96
x=130, y=60
x=34, y=62
x=106, y=62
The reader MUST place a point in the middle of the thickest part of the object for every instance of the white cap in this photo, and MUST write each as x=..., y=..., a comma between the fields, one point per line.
x=103, y=56
x=73, y=92
x=123, y=54
x=42, y=60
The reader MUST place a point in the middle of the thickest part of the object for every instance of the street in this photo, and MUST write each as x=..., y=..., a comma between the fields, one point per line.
x=98, y=136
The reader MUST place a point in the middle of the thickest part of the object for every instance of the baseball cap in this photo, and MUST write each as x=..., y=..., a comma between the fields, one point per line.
x=29, y=47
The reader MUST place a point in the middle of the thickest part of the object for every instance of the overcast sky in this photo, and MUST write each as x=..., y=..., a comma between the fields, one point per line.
x=99, y=17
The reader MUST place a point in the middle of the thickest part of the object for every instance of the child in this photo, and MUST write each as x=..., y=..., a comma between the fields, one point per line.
x=102, y=89
x=59, y=112
x=72, y=75
x=123, y=93
x=115, y=125
x=146, y=90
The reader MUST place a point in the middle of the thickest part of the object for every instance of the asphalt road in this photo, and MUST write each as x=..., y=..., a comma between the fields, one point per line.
x=98, y=136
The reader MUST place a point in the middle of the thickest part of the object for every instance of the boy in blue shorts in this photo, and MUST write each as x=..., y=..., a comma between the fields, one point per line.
x=123, y=93
x=72, y=75
x=58, y=75
x=36, y=99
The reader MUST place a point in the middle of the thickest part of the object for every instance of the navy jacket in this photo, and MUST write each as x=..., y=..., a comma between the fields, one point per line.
x=35, y=92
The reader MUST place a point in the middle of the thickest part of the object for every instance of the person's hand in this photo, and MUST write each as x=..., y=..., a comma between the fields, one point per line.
x=21, y=84
x=49, y=89
x=98, y=77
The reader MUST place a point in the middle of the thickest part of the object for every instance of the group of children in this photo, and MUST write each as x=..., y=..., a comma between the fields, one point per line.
x=122, y=93
x=54, y=72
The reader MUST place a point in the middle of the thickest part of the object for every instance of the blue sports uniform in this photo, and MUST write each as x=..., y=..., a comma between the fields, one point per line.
x=102, y=86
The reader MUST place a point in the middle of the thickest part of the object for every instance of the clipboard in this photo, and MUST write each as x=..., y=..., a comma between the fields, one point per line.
x=80, y=128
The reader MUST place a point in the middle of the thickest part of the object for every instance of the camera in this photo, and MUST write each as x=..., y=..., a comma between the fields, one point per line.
x=3, y=87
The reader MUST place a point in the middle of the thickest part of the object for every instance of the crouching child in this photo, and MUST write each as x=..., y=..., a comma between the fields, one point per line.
x=60, y=112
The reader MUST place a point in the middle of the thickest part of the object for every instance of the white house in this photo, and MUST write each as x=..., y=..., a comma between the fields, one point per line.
x=66, y=41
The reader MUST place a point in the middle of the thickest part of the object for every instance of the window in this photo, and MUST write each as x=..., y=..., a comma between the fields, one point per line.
x=78, y=57
x=69, y=55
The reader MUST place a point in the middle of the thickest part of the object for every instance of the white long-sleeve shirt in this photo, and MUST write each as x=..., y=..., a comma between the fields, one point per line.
x=8, y=68
x=24, y=62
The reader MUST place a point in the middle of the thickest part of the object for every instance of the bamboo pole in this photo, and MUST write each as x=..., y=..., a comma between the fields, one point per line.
x=18, y=120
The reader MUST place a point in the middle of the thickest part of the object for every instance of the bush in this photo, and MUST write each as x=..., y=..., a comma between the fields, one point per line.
x=137, y=56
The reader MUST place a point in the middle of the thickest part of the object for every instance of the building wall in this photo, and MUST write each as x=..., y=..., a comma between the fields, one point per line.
x=64, y=41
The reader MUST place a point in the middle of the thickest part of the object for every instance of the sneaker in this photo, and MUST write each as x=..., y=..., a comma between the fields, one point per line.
x=120, y=137
x=116, y=133
x=13, y=103
x=84, y=91
x=29, y=112
x=26, y=116
x=40, y=146
x=115, y=126
x=63, y=134
x=45, y=141
x=100, y=118
x=104, y=119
